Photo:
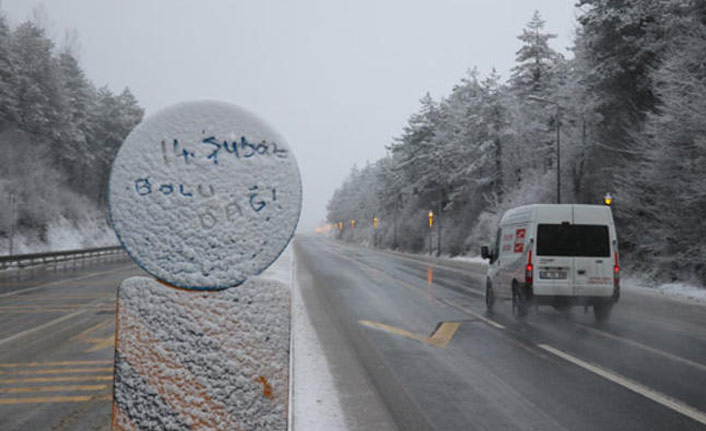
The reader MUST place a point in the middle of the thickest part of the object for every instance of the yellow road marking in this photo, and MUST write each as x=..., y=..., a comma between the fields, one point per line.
x=92, y=329
x=393, y=330
x=472, y=313
x=57, y=399
x=425, y=290
x=19, y=306
x=55, y=297
x=638, y=388
x=440, y=338
x=58, y=379
x=55, y=364
x=100, y=343
x=443, y=335
x=51, y=310
x=34, y=311
x=68, y=388
x=60, y=371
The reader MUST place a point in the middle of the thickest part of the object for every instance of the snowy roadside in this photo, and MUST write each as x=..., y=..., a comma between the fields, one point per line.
x=314, y=401
x=678, y=291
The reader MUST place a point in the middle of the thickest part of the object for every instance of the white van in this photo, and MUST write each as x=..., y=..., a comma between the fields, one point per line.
x=559, y=255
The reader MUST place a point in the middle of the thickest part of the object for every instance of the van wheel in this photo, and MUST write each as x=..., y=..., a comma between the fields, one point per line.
x=601, y=310
x=489, y=296
x=520, y=307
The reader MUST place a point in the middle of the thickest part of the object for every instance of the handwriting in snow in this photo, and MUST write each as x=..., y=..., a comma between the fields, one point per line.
x=215, y=148
x=144, y=187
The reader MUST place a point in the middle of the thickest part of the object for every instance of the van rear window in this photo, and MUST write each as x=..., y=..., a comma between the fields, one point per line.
x=573, y=240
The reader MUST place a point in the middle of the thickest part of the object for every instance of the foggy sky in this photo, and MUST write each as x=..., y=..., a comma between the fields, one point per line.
x=338, y=79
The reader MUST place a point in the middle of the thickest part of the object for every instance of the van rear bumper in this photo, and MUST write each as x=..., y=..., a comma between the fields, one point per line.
x=568, y=289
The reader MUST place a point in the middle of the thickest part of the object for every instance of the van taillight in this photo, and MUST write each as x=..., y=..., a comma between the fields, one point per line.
x=616, y=272
x=528, y=269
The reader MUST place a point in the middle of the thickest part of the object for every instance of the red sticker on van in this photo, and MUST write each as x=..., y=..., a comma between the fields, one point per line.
x=519, y=240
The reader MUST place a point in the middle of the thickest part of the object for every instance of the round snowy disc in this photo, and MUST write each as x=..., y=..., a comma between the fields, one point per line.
x=204, y=195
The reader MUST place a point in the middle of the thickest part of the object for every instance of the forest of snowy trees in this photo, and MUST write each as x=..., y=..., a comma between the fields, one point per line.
x=58, y=136
x=631, y=106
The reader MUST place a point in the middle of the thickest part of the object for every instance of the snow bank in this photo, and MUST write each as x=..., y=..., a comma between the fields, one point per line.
x=470, y=259
x=676, y=290
x=64, y=234
x=316, y=404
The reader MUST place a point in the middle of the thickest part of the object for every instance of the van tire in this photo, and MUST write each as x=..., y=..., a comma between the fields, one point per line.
x=489, y=296
x=520, y=307
x=601, y=310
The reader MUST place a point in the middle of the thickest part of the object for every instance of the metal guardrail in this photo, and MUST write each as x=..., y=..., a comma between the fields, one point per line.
x=25, y=260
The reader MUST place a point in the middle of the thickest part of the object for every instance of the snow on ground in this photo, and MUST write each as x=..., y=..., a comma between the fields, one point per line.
x=64, y=234
x=677, y=290
x=470, y=259
x=674, y=290
x=315, y=405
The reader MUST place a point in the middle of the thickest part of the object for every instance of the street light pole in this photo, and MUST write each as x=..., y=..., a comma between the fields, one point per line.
x=558, y=141
x=12, y=221
x=558, y=154
x=438, y=224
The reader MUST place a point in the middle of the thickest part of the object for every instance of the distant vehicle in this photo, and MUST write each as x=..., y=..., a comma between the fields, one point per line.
x=558, y=255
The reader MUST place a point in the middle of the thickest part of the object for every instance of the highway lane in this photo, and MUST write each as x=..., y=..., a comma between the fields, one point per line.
x=437, y=360
x=57, y=335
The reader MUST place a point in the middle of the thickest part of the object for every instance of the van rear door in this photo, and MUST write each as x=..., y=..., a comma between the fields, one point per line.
x=555, y=259
x=592, y=261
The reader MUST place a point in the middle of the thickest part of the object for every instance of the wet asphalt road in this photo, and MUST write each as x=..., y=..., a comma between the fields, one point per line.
x=376, y=312
x=57, y=333
x=643, y=369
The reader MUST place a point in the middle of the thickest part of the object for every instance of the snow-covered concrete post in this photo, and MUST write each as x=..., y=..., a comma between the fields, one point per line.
x=203, y=196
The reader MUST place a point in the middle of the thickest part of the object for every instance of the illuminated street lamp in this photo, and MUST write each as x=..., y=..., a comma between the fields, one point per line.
x=608, y=199
x=431, y=225
x=352, y=224
x=375, y=223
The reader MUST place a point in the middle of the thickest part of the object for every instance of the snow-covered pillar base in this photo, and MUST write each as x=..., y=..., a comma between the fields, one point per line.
x=202, y=360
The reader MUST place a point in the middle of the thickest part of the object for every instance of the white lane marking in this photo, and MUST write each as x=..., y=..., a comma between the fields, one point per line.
x=646, y=392
x=40, y=327
x=639, y=345
x=451, y=304
x=472, y=313
x=53, y=283
x=473, y=268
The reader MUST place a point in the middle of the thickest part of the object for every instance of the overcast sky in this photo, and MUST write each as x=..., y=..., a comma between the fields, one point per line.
x=337, y=78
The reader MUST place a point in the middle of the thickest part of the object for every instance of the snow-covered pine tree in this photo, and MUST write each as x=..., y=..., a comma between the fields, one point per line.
x=8, y=99
x=36, y=76
x=664, y=191
x=534, y=60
